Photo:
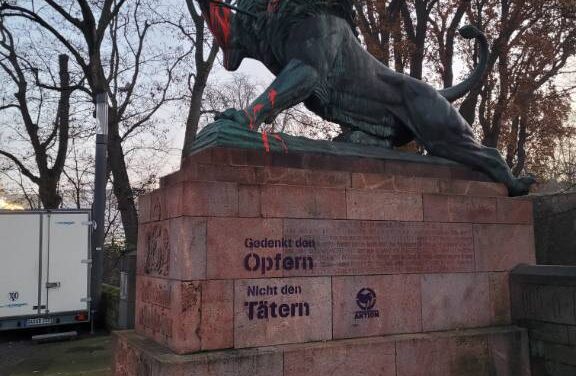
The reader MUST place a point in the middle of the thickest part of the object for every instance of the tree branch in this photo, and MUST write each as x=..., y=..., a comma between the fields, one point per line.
x=21, y=166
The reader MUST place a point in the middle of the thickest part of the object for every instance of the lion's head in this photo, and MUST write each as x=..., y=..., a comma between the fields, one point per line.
x=234, y=31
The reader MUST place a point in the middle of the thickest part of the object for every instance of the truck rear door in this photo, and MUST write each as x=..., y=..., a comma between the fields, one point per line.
x=20, y=248
x=66, y=279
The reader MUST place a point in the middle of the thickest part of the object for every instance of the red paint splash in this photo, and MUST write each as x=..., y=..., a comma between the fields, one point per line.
x=252, y=117
x=273, y=6
x=265, y=141
x=255, y=111
x=272, y=97
x=220, y=24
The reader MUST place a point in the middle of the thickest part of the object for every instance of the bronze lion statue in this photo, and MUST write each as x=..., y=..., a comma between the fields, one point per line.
x=313, y=50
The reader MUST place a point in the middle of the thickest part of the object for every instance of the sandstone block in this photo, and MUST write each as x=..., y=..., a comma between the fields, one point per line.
x=440, y=356
x=144, y=208
x=366, y=306
x=278, y=311
x=249, y=201
x=395, y=183
x=451, y=208
x=515, y=210
x=234, y=249
x=185, y=316
x=502, y=247
x=303, y=202
x=418, y=169
x=372, y=247
x=472, y=188
x=210, y=199
x=451, y=301
x=173, y=249
x=298, y=176
x=444, y=208
x=383, y=205
x=370, y=359
x=223, y=173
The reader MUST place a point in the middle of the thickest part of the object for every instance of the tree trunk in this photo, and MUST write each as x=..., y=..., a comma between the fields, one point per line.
x=521, y=153
x=48, y=192
x=50, y=177
x=122, y=187
x=195, y=111
x=511, y=148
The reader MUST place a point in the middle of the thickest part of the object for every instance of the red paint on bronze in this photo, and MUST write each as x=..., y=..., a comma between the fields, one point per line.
x=265, y=141
x=256, y=110
x=220, y=24
x=272, y=97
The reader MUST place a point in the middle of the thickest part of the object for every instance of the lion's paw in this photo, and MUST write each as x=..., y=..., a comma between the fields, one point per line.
x=522, y=186
x=234, y=115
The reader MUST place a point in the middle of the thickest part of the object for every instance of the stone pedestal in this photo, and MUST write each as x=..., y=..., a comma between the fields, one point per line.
x=297, y=264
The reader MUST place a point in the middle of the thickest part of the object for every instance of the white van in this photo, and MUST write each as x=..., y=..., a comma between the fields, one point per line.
x=44, y=268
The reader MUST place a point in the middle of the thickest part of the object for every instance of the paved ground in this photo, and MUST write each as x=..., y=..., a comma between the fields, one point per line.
x=87, y=356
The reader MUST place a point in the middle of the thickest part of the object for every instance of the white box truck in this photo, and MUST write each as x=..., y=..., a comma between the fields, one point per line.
x=44, y=268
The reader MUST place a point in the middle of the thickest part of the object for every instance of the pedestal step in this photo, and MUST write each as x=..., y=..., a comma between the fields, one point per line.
x=479, y=352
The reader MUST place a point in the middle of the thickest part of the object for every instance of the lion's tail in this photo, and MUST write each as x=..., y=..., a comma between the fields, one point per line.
x=458, y=91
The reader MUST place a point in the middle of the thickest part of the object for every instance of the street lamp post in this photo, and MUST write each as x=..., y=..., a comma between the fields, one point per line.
x=99, y=205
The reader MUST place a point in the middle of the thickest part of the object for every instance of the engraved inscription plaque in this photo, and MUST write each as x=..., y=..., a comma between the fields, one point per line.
x=370, y=247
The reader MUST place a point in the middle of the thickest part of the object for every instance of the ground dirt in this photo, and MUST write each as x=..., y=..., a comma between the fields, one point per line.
x=86, y=355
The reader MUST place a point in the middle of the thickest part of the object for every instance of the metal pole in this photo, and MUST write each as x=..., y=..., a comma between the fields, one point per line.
x=99, y=205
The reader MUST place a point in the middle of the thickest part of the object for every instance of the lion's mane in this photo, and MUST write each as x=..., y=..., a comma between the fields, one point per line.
x=289, y=12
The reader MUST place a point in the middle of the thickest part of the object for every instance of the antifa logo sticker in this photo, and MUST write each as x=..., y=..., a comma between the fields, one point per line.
x=366, y=300
x=13, y=296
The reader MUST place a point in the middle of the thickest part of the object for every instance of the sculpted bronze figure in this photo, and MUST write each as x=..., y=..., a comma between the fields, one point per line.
x=312, y=48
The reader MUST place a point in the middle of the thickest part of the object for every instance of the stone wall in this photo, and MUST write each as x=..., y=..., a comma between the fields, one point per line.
x=555, y=229
x=544, y=302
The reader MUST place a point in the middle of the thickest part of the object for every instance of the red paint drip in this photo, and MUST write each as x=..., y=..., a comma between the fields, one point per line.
x=256, y=110
x=272, y=97
x=220, y=24
x=265, y=141
x=281, y=140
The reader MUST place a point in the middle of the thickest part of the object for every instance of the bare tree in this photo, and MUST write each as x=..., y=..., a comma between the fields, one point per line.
x=518, y=107
x=48, y=142
x=111, y=42
x=203, y=65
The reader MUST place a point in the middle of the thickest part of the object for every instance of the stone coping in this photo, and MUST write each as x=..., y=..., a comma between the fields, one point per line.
x=225, y=199
x=394, y=163
x=545, y=274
